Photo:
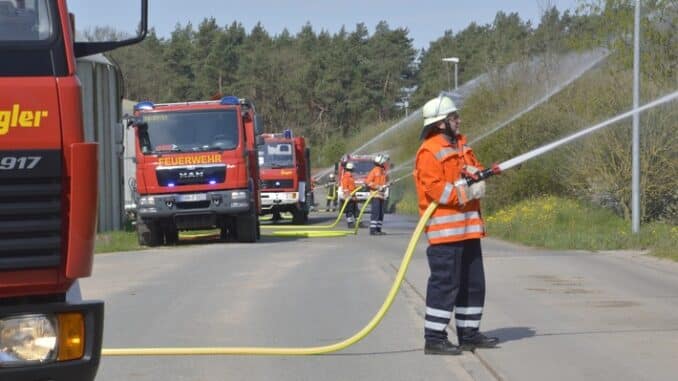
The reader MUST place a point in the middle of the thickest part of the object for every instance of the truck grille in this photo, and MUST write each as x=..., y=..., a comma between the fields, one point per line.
x=174, y=176
x=276, y=184
x=30, y=222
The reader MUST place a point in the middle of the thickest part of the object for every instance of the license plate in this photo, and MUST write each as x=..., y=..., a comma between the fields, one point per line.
x=192, y=197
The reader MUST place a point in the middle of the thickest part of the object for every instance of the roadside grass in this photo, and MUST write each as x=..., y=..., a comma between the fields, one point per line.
x=558, y=223
x=116, y=241
x=127, y=240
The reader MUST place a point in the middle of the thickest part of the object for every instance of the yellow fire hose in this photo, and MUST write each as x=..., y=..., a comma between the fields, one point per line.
x=282, y=351
x=326, y=233
x=330, y=226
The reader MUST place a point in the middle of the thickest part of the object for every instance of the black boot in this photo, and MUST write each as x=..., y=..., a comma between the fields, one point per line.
x=474, y=339
x=441, y=348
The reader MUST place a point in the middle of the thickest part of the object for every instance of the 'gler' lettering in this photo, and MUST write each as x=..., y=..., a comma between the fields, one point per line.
x=19, y=118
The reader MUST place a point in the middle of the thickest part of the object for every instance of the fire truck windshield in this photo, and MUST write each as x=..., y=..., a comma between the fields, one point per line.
x=189, y=131
x=24, y=21
x=362, y=167
x=276, y=155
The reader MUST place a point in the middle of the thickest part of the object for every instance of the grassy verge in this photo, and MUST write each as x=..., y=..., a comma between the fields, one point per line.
x=558, y=223
x=116, y=241
x=127, y=241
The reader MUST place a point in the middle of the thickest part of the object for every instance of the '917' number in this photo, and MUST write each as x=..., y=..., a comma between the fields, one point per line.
x=8, y=163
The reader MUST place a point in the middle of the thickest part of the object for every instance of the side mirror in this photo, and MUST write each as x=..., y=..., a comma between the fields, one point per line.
x=259, y=140
x=258, y=125
x=83, y=49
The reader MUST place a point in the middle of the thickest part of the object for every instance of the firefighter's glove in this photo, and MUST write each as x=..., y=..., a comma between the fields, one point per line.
x=466, y=193
x=477, y=190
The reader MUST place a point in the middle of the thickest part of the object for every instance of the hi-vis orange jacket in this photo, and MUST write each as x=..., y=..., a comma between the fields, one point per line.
x=376, y=178
x=347, y=183
x=439, y=163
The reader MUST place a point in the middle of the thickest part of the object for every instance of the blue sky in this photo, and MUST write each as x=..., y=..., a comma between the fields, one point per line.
x=426, y=19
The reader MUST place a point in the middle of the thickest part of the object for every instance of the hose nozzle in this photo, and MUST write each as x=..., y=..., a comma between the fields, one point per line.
x=482, y=175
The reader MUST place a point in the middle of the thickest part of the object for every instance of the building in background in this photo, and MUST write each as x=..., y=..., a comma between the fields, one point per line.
x=102, y=112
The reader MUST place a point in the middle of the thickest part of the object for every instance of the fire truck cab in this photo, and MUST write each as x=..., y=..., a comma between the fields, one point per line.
x=285, y=165
x=196, y=168
x=48, y=196
x=362, y=165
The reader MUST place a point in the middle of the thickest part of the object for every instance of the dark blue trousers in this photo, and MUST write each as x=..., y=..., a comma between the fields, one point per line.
x=351, y=212
x=456, y=285
x=376, y=215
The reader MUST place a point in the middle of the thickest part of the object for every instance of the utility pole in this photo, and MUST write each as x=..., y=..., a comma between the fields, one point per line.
x=635, y=175
x=455, y=61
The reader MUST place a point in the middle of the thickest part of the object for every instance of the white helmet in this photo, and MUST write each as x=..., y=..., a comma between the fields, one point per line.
x=331, y=176
x=437, y=109
x=380, y=159
x=349, y=166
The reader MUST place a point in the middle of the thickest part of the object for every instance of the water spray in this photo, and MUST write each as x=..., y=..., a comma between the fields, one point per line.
x=546, y=97
x=498, y=168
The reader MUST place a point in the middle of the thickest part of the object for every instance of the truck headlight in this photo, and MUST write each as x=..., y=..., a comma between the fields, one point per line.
x=41, y=338
x=239, y=195
x=26, y=339
x=147, y=200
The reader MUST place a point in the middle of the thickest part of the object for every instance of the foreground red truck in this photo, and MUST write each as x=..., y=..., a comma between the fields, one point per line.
x=196, y=168
x=48, y=196
x=285, y=167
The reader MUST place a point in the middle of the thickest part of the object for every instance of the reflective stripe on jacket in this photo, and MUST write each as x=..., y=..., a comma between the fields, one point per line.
x=439, y=163
x=376, y=178
x=332, y=191
x=347, y=184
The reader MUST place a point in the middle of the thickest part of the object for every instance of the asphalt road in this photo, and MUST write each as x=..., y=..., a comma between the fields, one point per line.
x=560, y=315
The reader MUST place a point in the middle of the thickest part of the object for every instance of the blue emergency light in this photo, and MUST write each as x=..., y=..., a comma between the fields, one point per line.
x=144, y=106
x=287, y=134
x=230, y=100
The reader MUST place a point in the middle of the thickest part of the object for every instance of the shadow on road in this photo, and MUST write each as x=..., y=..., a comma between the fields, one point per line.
x=512, y=333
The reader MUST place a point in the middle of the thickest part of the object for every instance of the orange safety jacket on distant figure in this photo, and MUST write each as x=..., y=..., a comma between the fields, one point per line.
x=347, y=184
x=439, y=164
x=376, y=178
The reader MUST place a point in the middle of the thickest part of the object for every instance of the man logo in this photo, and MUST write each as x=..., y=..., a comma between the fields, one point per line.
x=190, y=175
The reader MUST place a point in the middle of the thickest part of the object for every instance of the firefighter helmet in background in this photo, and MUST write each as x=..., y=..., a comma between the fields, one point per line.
x=380, y=159
x=436, y=110
x=349, y=166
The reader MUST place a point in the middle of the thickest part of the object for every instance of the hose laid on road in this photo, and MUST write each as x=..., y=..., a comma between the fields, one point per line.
x=291, y=351
x=330, y=226
x=326, y=233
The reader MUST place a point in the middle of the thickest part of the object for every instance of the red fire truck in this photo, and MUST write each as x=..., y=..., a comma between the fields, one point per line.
x=285, y=165
x=48, y=196
x=196, y=168
x=363, y=164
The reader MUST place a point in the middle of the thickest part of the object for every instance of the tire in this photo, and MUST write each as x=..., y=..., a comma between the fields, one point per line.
x=246, y=228
x=300, y=217
x=149, y=234
x=171, y=236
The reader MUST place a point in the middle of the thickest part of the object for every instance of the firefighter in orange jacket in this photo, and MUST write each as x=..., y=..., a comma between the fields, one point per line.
x=348, y=186
x=376, y=182
x=457, y=281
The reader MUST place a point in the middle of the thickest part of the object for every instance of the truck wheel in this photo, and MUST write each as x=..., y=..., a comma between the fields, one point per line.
x=149, y=234
x=171, y=236
x=246, y=228
x=225, y=232
x=299, y=217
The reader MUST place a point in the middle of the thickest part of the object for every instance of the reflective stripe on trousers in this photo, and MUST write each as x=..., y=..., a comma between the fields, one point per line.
x=456, y=283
